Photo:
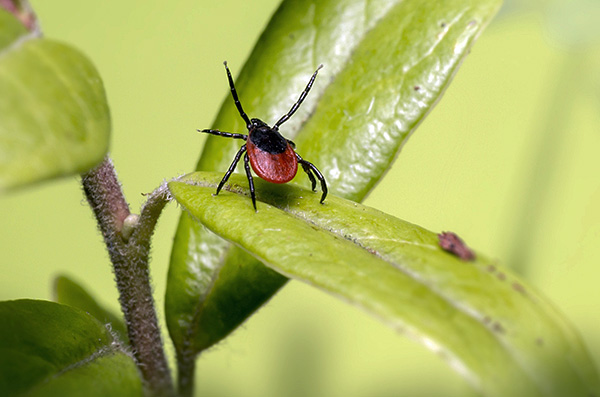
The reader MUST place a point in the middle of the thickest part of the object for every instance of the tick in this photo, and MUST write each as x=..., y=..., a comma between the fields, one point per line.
x=271, y=156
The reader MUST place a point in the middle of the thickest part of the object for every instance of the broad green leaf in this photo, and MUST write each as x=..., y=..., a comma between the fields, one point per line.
x=54, y=117
x=48, y=349
x=68, y=292
x=489, y=325
x=11, y=29
x=386, y=63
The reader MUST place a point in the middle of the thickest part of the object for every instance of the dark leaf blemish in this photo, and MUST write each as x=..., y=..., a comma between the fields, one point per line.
x=450, y=242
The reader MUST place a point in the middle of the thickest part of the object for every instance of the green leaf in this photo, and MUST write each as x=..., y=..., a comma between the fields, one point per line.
x=54, y=118
x=11, y=29
x=489, y=325
x=68, y=292
x=385, y=66
x=48, y=349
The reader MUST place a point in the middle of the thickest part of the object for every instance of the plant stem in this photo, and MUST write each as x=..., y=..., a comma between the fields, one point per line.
x=130, y=258
x=544, y=162
x=186, y=365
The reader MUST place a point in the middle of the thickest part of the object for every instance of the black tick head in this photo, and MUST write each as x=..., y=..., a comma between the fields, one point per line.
x=258, y=123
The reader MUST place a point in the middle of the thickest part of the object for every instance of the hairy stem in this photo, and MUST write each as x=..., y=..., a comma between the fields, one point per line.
x=130, y=258
x=186, y=365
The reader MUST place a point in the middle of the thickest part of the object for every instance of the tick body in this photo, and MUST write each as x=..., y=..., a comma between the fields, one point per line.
x=271, y=156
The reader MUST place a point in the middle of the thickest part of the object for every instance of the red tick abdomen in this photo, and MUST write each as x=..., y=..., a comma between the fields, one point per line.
x=275, y=168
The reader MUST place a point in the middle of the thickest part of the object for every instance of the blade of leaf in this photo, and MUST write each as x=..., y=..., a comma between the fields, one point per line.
x=488, y=324
x=386, y=64
x=48, y=349
x=394, y=78
x=68, y=292
x=54, y=117
x=11, y=29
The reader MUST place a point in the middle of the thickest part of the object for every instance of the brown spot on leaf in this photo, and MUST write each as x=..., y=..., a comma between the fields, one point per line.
x=416, y=88
x=501, y=276
x=497, y=327
x=518, y=287
x=491, y=268
x=539, y=341
x=450, y=242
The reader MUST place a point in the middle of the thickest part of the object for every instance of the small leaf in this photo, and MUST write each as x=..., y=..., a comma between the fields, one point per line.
x=68, y=292
x=47, y=349
x=54, y=117
x=386, y=64
x=489, y=325
x=11, y=29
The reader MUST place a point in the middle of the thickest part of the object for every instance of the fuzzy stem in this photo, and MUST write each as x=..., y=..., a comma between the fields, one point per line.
x=186, y=365
x=130, y=263
x=103, y=192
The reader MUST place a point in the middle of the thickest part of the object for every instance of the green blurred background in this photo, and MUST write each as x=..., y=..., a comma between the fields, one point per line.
x=508, y=159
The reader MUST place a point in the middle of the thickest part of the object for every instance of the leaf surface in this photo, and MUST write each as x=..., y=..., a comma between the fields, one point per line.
x=54, y=118
x=489, y=325
x=386, y=63
x=68, y=292
x=48, y=349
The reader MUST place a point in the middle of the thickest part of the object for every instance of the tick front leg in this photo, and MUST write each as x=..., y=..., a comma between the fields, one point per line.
x=231, y=168
x=250, y=180
x=225, y=134
x=234, y=94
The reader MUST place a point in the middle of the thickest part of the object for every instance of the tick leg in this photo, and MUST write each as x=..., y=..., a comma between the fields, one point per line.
x=225, y=134
x=308, y=171
x=231, y=168
x=310, y=166
x=235, y=97
x=250, y=180
x=300, y=100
